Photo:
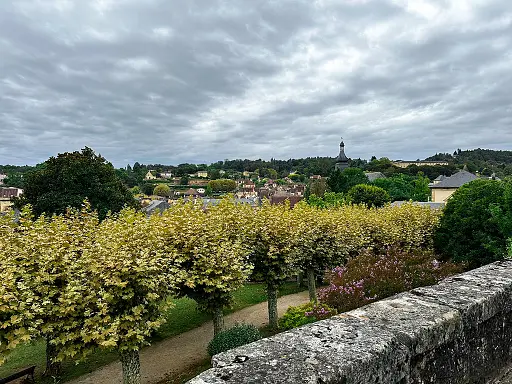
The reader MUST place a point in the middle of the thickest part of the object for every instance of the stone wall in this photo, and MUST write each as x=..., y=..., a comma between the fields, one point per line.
x=459, y=331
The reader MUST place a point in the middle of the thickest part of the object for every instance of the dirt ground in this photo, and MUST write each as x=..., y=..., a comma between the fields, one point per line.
x=177, y=354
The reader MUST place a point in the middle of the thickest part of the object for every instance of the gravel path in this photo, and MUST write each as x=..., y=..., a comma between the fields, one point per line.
x=179, y=353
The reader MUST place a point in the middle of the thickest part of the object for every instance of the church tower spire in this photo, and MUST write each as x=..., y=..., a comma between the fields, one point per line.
x=342, y=159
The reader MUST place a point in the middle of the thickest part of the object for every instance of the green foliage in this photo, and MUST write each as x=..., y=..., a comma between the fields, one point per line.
x=17, y=318
x=135, y=190
x=315, y=240
x=383, y=165
x=162, y=190
x=128, y=177
x=70, y=178
x=330, y=200
x=316, y=201
x=222, y=185
x=297, y=177
x=341, y=182
x=214, y=174
x=369, y=195
x=485, y=161
x=420, y=191
x=234, y=337
x=402, y=187
x=15, y=179
x=147, y=188
x=296, y=316
x=269, y=234
x=49, y=259
x=476, y=223
x=184, y=180
x=333, y=199
x=211, y=250
x=317, y=187
x=398, y=186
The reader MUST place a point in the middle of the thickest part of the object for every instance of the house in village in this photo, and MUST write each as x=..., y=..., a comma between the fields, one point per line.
x=191, y=193
x=150, y=176
x=248, y=189
x=280, y=197
x=419, y=163
x=6, y=194
x=443, y=187
x=203, y=174
x=2, y=178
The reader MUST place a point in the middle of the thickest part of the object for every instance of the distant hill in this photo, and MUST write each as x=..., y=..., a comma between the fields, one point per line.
x=485, y=161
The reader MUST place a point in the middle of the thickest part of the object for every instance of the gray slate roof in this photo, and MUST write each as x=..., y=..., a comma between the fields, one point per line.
x=456, y=180
x=156, y=205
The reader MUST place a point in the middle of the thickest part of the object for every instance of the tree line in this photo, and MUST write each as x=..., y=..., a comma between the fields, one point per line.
x=484, y=161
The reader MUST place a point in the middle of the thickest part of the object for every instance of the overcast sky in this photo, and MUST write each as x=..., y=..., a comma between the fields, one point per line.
x=172, y=81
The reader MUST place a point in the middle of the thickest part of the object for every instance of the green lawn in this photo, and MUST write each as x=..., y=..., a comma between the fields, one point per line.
x=182, y=317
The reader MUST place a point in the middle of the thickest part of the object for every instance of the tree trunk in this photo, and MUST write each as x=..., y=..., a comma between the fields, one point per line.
x=53, y=368
x=300, y=279
x=218, y=320
x=272, y=308
x=131, y=367
x=312, y=285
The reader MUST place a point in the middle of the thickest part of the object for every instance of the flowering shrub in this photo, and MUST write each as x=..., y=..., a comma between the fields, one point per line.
x=320, y=312
x=372, y=276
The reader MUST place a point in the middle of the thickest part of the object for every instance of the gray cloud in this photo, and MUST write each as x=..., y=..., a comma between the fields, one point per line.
x=204, y=80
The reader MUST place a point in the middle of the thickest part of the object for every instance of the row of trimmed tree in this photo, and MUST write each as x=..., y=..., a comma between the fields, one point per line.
x=83, y=283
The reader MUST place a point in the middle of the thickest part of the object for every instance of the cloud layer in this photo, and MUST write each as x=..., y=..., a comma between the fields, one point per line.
x=169, y=81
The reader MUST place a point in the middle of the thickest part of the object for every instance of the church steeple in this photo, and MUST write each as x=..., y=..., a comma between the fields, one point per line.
x=342, y=159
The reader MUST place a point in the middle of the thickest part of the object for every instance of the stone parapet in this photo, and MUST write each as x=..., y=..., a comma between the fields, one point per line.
x=458, y=331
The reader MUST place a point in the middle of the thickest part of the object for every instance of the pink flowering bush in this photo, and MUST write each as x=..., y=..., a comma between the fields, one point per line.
x=320, y=311
x=370, y=277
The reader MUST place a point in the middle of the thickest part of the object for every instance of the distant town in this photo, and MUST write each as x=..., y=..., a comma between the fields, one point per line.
x=250, y=181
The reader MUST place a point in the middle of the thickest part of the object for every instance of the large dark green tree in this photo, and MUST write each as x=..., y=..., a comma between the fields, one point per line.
x=477, y=223
x=398, y=186
x=70, y=178
x=369, y=195
x=341, y=182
